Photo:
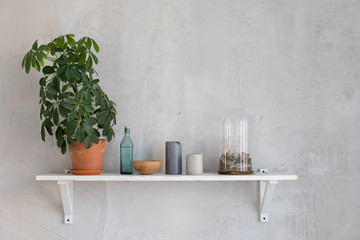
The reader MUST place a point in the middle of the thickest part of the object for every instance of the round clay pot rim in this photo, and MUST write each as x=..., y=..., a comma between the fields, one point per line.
x=100, y=138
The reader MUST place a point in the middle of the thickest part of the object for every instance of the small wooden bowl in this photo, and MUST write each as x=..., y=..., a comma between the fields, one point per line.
x=147, y=167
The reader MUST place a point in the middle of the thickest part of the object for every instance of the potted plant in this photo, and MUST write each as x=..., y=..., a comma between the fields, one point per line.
x=72, y=104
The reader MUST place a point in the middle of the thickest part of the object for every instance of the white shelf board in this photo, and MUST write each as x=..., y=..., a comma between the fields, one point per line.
x=65, y=181
x=206, y=177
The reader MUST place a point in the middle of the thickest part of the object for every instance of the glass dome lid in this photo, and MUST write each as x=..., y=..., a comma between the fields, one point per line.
x=234, y=153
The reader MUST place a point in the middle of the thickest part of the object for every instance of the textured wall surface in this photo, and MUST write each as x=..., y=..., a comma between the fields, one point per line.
x=173, y=67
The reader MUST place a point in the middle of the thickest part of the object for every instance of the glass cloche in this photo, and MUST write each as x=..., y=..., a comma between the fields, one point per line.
x=234, y=152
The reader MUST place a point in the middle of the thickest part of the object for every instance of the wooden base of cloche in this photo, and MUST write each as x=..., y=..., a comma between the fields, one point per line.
x=235, y=172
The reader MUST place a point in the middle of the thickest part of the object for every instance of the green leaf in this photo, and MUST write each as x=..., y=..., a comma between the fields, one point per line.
x=66, y=95
x=42, y=94
x=76, y=74
x=88, y=63
x=60, y=41
x=63, y=148
x=113, y=110
x=96, y=47
x=48, y=70
x=71, y=54
x=70, y=128
x=108, y=103
x=49, y=95
x=78, y=96
x=95, y=81
x=37, y=65
x=82, y=58
x=61, y=69
x=39, y=56
x=84, y=77
x=72, y=115
x=82, y=40
x=43, y=131
x=63, y=78
x=52, y=91
x=88, y=43
x=106, y=127
x=97, y=96
x=71, y=41
x=102, y=103
x=56, y=84
x=79, y=134
x=69, y=139
x=66, y=105
x=101, y=116
x=94, y=58
x=88, y=142
x=88, y=129
x=81, y=49
x=57, y=49
x=70, y=100
x=90, y=121
x=110, y=135
x=64, y=59
x=88, y=95
x=95, y=137
x=68, y=73
x=63, y=111
x=62, y=63
x=23, y=61
x=35, y=45
x=42, y=81
x=42, y=109
x=28, y=62
x=48, y=105
x=40, y=59
x=42, y=47
x=56, y=117
x=64, y=88
x=59, y=134
x=51, y=113
x=33, y=61
x=81, y=111
x=48, y=126
x=89, y=108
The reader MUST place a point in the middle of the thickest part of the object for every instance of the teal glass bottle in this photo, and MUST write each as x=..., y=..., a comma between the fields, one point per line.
x=126, y=153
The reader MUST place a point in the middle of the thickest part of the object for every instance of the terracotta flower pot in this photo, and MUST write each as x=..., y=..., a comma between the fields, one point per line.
x=87, y=161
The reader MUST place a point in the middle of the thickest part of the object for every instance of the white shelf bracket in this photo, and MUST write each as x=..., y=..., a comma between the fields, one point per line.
x=266, y=194
x=66, y=190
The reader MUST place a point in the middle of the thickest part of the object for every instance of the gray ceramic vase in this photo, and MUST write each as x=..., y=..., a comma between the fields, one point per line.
x=173, y=158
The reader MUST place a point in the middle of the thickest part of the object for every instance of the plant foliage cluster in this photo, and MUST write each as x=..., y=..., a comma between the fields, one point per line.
x=73, y=106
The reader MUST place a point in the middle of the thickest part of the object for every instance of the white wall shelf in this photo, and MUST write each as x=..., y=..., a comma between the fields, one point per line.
x=65, y=181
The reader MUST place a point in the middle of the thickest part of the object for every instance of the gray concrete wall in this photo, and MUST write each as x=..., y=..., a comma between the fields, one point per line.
x=173, y=67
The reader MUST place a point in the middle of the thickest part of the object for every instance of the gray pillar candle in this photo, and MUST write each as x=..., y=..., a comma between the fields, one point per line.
x=194, y=164
x=173, y=158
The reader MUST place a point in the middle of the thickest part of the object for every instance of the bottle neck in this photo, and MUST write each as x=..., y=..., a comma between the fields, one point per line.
x=127, y=132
